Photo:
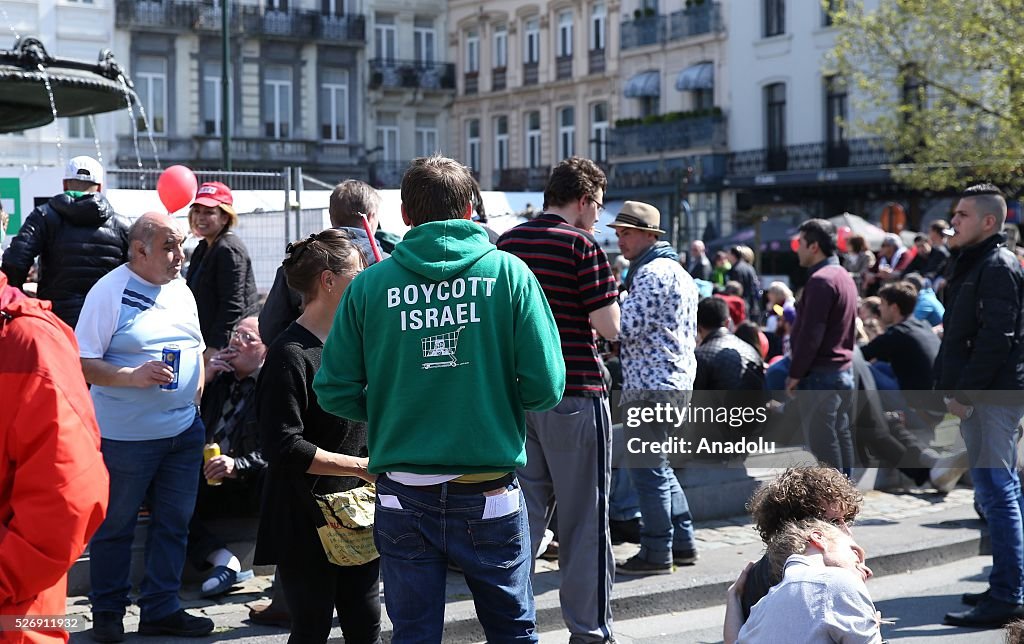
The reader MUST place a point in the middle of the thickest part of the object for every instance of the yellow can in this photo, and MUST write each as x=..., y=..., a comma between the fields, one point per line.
x=209, y=451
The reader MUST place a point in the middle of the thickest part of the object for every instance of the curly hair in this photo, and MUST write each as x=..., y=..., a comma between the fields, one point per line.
x=1015, y=632
x=802, y=493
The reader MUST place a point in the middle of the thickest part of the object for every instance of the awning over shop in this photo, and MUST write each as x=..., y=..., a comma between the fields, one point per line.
x=643, y=85
x=699, y=76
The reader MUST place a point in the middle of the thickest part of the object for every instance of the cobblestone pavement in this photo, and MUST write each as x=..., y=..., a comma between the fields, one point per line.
x=880, y=508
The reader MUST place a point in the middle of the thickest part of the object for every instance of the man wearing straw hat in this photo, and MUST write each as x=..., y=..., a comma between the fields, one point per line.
x=658, y=333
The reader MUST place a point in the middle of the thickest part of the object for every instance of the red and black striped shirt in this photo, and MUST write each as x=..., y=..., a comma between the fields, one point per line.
x=577, y=280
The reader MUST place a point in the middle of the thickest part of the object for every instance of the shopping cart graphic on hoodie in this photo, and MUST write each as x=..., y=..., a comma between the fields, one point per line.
x=443, y=346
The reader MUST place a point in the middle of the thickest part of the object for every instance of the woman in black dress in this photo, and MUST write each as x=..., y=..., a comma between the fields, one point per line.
x=306, y=447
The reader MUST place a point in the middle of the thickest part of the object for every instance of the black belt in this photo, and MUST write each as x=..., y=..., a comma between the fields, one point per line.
x=455, y=487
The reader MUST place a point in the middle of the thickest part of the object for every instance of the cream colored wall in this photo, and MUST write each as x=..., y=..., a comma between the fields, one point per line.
x=671, y=58
x=309, y=94
x=186, y=102
x=250, y=103
x=547, y=97
x=407, y=103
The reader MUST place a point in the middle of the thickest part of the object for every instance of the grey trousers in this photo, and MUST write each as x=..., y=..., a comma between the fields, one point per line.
x=568, y=452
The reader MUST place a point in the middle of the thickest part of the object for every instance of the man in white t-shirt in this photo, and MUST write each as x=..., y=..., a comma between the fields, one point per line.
x=152, y=438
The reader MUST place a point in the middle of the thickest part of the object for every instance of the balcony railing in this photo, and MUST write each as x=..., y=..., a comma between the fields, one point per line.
x=471, y=83
x=643, y=31
x=694, y=21
x=499, y=79
x=167, y=148
x=157, y=15
x=563, y=67
x=810, y=156
x=193, y=16
x=350, y=28
x=644, y=175
x=596, y=61
x=530, y=73
x=521, y=179
x=411, y=74
x=704, y=131
x=206, y=150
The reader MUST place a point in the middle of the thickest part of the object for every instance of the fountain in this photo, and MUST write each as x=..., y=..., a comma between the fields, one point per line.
x=37, y=87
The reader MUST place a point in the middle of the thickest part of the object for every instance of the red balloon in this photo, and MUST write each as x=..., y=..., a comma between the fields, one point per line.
x=177, y=187
x=843, y=236
x=794, y=243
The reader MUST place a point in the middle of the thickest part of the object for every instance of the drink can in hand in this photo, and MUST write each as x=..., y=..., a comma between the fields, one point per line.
x=209, y=451
x=172, y=358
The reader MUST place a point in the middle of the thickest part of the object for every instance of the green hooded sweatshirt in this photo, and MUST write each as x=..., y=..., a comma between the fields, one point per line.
x=443, y=348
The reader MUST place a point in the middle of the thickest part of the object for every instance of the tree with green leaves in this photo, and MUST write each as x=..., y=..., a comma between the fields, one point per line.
x=940, y=83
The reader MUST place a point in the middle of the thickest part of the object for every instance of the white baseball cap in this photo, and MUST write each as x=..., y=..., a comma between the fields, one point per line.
x=84, y=169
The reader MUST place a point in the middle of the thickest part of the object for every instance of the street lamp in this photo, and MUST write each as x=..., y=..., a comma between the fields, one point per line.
x=225, y=90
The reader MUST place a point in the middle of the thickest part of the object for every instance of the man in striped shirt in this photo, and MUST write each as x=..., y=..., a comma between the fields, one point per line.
x=568, y=448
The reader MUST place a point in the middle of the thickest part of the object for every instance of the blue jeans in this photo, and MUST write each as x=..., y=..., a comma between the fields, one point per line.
x=666, y=522
x=163, y=473
x=991, y=436
x=623, y=504
x=417, y=541
x=775, y=378
x=826, y=400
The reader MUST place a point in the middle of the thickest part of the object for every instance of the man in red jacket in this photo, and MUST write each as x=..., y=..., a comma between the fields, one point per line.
x=53, y=484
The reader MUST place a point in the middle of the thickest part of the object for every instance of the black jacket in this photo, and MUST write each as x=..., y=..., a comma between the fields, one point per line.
x=730, y=375
x=983, y=338
x=910, y=347
x=745, y=274
x=935, y=265
x=284, y=304
x=223, y=284
x=244, y=445
x=700, y=269
x=726, y=363
x=78, y=240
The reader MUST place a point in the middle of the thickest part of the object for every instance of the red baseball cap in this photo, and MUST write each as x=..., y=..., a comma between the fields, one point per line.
x=215, y=194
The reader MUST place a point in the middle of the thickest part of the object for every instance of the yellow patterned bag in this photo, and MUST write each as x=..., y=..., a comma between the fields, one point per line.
x=347, y=532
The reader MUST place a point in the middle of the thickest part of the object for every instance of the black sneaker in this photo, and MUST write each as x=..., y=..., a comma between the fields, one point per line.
x=107, y=626
x=972, y=599
x=625, y=531
x=180, y=624
x=684, y=557
x=635, y=566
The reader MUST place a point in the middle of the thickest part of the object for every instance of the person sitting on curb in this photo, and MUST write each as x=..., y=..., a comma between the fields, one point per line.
x=821, y=598
x=799, y=493
x=233, y=481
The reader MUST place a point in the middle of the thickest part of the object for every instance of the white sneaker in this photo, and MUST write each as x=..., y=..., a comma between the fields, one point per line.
x=545, y=541
x=946, y=472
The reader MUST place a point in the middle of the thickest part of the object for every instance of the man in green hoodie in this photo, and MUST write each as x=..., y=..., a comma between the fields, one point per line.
x=442, y=349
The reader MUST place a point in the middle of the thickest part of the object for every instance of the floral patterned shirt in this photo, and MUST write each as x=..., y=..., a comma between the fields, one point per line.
x=659, y=329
